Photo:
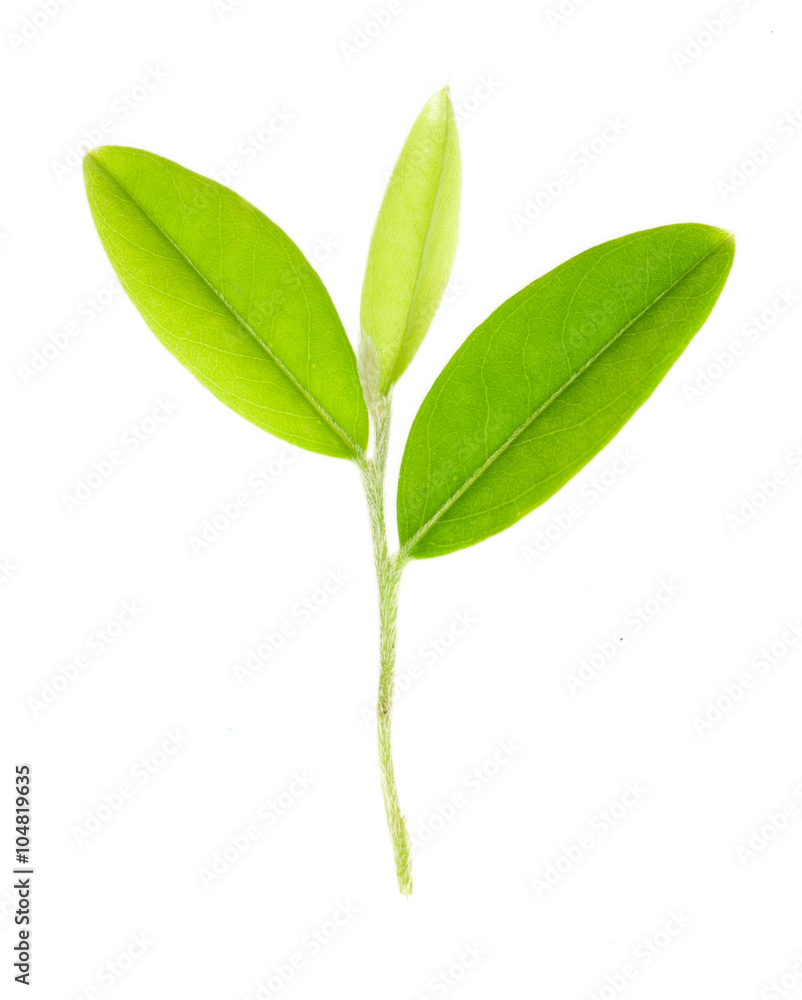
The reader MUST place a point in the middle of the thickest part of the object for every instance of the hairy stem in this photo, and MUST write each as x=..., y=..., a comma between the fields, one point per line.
x=388, y=576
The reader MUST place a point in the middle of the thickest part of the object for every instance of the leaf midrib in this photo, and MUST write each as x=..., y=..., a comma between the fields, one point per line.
x=327, y=418
x=407, y=547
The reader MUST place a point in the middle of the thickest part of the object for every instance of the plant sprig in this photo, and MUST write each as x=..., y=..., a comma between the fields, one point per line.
x=532, y=395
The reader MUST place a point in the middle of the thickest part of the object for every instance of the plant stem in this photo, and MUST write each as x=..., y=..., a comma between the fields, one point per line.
x=388, y=576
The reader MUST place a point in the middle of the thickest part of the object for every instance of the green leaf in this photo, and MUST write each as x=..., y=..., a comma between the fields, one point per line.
x=413, y=244
x=549, y=378
x=231, y=296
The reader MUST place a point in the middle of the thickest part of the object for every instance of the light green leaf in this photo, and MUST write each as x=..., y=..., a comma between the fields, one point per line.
x=231, y=296
x=413, y=244
x=549, y=378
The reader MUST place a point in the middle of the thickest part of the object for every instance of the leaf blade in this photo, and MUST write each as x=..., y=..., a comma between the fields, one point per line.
x=231, y=296
x=590, y=340
x=414, y=241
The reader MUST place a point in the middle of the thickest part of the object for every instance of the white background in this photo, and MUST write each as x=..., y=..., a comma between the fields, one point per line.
x=530, y=92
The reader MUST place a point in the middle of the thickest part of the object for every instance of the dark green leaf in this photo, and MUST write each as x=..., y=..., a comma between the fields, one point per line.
x=549, y=378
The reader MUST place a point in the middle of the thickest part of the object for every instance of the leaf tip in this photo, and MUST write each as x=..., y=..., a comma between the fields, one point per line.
x=725, y=235
x=726, y=243
x=91, y=161
x=440, y=107
x=95, y=163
